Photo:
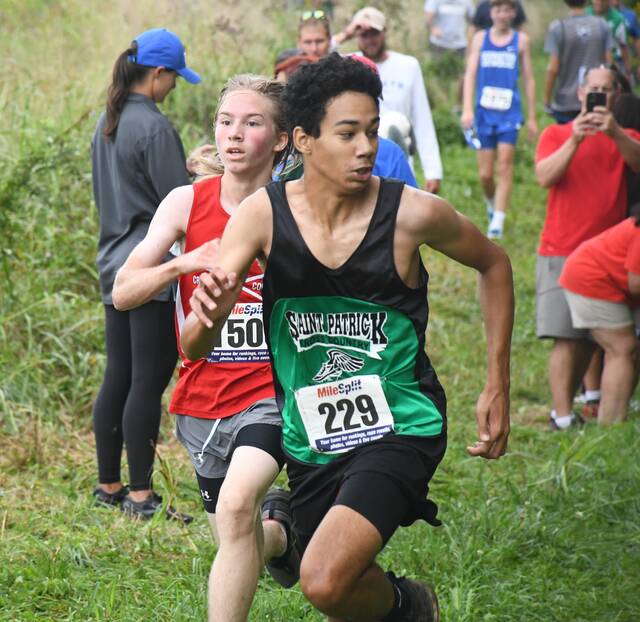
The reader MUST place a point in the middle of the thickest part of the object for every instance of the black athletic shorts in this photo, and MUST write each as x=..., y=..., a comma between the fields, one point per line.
x=386, y=481
x=264, y=436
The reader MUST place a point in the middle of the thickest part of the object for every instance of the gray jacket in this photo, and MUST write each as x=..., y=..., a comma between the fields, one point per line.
x=132, y=173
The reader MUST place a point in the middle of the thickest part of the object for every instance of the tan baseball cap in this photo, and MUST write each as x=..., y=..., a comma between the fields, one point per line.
x=371, y=16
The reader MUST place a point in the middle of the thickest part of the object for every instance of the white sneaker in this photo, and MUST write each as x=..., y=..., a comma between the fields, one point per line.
x=494, y=233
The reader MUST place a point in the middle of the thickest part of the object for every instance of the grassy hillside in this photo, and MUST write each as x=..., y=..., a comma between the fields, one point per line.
x=549, y=532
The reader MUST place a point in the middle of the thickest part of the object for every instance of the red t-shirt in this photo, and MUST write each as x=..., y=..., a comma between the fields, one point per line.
x=237, y=372
x=590, y=197
x=599, y=268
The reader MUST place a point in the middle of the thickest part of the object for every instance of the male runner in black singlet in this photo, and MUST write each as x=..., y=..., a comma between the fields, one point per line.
x=345, y=310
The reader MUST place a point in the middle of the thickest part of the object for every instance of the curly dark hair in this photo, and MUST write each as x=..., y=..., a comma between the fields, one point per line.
x=313, y=86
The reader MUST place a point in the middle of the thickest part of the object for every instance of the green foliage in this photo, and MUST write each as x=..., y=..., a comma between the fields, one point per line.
x=549, y=532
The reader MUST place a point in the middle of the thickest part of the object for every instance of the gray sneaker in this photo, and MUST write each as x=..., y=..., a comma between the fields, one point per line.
x=103, y=498
x=147, y=509
x=424, y=602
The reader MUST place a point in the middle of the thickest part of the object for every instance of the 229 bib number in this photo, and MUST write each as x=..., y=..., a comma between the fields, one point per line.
x=341, y=415
x=345, y=409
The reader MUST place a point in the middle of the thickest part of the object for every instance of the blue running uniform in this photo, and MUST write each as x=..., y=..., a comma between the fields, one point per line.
x=498, y=110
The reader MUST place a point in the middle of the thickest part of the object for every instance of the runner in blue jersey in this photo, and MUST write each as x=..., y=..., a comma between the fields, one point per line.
x=493, y=67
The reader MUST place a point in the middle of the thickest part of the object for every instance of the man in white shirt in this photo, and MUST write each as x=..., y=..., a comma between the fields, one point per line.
x=403, y=88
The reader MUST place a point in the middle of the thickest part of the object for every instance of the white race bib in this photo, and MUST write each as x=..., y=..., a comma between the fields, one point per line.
x=341, y=415
x=242, y=339
x=496, y=98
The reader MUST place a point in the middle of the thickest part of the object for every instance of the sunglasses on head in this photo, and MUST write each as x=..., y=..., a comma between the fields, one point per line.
x=319, y=14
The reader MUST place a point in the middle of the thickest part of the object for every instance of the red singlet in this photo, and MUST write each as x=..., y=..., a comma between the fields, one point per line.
x=237, y=372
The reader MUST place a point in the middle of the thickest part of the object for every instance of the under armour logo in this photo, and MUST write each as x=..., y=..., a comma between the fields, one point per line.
x=205, y=495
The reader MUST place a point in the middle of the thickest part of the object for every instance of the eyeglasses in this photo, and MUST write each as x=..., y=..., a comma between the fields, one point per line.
x=319, y=14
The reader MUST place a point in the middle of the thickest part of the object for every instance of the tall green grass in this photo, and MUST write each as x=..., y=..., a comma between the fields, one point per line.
x=549, y=532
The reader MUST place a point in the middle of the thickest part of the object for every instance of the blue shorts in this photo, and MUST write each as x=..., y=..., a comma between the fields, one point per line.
x=490, y=137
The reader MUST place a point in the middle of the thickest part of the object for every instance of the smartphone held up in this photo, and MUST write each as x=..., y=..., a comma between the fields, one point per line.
x=595, y=98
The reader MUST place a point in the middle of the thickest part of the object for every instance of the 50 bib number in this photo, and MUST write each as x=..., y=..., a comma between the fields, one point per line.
x=341, y=415
x=242, y=339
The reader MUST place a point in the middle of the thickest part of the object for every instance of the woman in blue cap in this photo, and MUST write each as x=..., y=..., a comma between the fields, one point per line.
x=137, y=159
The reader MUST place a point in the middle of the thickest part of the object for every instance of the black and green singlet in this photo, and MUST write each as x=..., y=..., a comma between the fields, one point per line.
x=347, y=344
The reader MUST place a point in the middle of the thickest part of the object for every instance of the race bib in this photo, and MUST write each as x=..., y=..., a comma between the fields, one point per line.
x=341, y=415
x=242, y=339
x=496, y=98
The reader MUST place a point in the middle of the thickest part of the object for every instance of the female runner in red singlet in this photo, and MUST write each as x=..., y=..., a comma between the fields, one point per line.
x=226, y=413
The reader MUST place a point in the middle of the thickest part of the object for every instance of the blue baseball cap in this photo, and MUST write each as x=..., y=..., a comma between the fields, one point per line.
x=160, y=47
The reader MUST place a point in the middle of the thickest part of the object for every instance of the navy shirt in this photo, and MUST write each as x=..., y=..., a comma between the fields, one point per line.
x=132, y=172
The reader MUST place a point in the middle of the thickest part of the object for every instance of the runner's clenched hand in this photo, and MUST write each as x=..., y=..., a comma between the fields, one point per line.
x=492, y=415
x=215, y=295
x=205, y=257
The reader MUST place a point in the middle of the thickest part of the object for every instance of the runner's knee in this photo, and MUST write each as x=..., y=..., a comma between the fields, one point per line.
x=322, y=586
x=504, y=167
x=235, y=514
x=486, y=176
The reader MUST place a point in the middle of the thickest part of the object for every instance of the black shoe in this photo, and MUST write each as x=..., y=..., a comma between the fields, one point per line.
x=109, y=499
x=422, y=599
x=576, y=422
x=286, y=568
x=147, y=509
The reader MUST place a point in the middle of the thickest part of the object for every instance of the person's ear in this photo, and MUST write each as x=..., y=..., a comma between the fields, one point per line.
x=283, y=139
x=302, y=141
x=158, y=71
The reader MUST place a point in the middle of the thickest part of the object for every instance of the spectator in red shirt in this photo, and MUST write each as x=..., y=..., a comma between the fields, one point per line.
x=582, y=164
x=601, y=281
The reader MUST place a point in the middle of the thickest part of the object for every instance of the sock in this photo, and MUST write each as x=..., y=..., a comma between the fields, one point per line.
x=497, y=221
x=491, y=205
x=562, y=422
x=401, y=605
x=592, y=396
x=285, y=535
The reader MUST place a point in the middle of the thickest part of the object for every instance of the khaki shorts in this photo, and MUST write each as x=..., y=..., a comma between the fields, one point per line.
x=553, y=318
x=595, y=313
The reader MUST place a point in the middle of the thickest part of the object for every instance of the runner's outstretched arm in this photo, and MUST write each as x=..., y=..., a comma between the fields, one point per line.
x=437, y=224
x=246, y=237
x=145, y=274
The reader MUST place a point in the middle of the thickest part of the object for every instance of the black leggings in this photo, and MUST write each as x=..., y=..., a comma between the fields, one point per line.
x=141, y=356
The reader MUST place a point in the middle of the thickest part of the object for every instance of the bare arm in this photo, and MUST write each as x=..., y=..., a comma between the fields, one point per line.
x=634, y=283
x=529, y=85
x=430, y=18
x=603, y=120
x=354, y=27
x=246, y=237
x=550, y=170
x=144, y=275
x=552, y=73
x=629, y=148
x=469, y=82
x=441, y=227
